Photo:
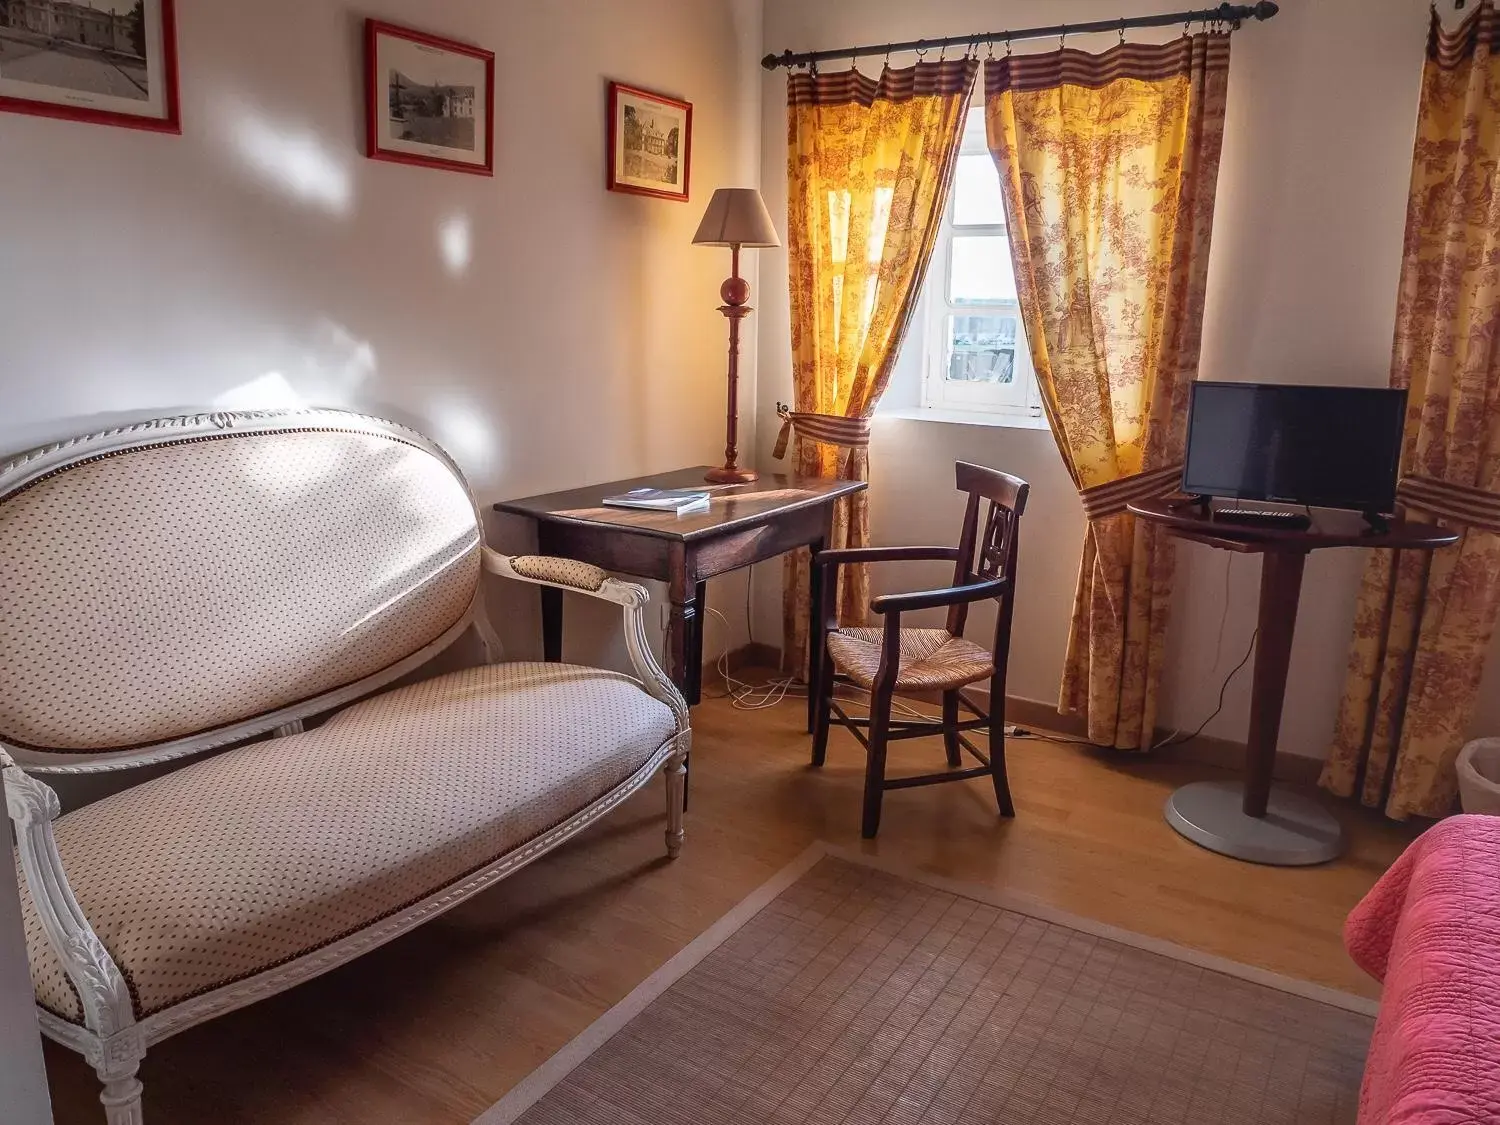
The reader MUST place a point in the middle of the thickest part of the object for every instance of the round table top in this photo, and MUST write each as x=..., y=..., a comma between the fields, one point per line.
x=1330, y=528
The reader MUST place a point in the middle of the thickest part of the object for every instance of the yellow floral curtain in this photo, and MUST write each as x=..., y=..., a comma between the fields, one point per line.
x=868, y=169
x=1109, y=165
x=1425, y=620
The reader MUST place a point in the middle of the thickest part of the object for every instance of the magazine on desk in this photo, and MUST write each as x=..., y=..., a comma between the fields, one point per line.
x=678, y=501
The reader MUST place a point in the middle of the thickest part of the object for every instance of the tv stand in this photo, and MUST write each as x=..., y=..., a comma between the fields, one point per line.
x=1252, y=820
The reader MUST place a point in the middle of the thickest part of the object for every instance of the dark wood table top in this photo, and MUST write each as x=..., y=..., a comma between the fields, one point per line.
x=1330, y=528
x=731, y=506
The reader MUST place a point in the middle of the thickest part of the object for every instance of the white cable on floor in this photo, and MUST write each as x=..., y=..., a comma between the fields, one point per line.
x=745, y=696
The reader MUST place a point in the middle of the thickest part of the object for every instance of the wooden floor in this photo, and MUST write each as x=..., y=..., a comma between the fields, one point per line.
x=436, y=1026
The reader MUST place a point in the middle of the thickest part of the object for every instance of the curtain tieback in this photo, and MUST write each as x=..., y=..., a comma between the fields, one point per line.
x=1111, y=498
x=830, y=429
x=1476, y=508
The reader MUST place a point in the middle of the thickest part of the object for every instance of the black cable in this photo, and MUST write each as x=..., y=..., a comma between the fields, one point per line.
x=1223, y=690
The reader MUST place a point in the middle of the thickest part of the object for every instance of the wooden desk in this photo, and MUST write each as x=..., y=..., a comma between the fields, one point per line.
x=1268, y=825
x=744, y=524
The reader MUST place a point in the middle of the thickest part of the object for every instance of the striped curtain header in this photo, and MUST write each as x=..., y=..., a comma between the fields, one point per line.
x=1450, y=48
x=846, y=87
x=1462, y=504
x=1146, y=62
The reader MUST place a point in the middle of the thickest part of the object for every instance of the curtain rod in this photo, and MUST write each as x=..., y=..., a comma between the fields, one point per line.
x=1231, y=14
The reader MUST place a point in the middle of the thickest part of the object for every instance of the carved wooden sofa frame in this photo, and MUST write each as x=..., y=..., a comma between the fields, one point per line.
x=112, y=1034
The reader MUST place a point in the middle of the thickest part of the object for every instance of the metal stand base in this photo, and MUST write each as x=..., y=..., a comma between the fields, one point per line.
x=1295, y=832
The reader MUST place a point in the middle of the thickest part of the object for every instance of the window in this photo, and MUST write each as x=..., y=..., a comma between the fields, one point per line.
x=976, y=356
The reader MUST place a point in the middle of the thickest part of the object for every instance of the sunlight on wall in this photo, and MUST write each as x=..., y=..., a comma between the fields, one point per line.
x=456, y=242
x=295, y=161
x=270, y=392
x=461, y=429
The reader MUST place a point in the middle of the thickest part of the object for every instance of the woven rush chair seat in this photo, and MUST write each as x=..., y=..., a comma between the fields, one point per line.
x=247, y=860
x=931, y=659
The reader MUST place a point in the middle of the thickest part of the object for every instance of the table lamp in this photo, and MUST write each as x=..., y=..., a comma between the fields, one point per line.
x=735, y=217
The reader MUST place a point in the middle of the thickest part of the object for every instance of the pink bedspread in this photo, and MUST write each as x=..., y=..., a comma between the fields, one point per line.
x=1430, y=929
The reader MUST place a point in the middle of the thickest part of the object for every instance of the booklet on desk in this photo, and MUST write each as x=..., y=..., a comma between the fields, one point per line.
x=678, y=501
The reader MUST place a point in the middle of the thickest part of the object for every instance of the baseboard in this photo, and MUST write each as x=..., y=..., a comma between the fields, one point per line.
x=1033, y=714
x=752, y=655
x=1205, y=750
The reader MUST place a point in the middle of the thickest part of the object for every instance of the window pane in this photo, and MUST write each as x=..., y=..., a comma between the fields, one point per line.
x=981, y=349
x=976, y=192
x=974, y=139
x=981, y=271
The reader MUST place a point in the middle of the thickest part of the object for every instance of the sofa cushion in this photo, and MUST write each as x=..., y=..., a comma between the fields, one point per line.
x=240, y=862
x=150, y=594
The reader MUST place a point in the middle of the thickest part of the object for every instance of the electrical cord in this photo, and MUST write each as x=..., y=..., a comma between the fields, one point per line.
x=1223, y=689
x=745, y=696
x=1171, y=739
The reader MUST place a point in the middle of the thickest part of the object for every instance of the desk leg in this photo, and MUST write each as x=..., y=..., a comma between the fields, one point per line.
x=552, y=624
x=685, y=644
x=1254, y=821
x=816, y=641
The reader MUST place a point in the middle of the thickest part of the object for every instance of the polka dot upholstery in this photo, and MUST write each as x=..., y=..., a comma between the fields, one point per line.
x=153, y=594
x=565, y=572
x=240, y=862
x=931, y=659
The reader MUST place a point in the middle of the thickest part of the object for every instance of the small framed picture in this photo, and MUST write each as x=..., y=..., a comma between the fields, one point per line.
x=650, y=143
x=431, y=100
x=111, y=62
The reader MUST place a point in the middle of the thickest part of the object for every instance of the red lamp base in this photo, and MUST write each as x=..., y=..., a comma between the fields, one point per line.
x=728, y=474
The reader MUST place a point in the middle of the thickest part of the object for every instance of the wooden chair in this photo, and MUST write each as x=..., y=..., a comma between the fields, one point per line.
x=892, y=659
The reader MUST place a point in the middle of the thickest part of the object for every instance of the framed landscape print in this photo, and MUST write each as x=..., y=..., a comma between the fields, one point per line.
x=650, y=143
x=431, y=101
x=112, y=62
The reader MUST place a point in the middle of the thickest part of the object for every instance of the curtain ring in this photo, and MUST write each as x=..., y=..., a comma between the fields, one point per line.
x=1062, y=40
x=886, y=65
x=1122, y=33
x=1007, y=44
x=990, y=53
x=921, y=50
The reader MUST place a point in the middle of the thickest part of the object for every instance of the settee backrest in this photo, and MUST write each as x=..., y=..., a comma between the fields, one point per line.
x=192, y=581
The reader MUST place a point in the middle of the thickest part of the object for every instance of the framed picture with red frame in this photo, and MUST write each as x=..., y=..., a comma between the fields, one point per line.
x=650, y=143
x=431, y=101
x=110, y=62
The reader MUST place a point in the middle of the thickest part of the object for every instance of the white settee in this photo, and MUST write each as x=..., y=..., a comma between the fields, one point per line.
x=225, y=580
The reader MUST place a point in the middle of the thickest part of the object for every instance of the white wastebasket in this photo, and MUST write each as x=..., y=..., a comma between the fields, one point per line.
x=1479, y=776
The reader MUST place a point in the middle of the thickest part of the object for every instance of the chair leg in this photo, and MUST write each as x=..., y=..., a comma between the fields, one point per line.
x=823, y=715
x=675, y=772
x=121, y=1095
x=997, y=753
x=950, y=730
x=880, y=724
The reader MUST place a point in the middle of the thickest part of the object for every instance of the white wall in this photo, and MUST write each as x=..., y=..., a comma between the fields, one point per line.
x=1302, y=288
x=570, y=337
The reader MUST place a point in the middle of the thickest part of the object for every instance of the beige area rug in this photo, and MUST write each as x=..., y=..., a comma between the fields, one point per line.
x=843, y=991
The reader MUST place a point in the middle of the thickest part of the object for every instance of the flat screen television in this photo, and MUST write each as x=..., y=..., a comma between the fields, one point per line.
x=1330, y=447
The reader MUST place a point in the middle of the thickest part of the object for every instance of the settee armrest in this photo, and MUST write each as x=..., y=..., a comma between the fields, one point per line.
x=107, y=1009
x=581, y=578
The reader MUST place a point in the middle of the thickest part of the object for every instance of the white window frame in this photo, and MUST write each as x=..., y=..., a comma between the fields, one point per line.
x=1018, y=402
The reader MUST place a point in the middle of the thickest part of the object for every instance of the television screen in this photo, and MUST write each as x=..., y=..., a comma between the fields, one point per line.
x=1333, y=447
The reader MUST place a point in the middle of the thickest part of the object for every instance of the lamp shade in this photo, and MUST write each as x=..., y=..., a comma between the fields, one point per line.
x=736, y=217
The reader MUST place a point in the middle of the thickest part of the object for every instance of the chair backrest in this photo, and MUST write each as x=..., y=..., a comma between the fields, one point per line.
x=192, y=581
x=987, y=550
